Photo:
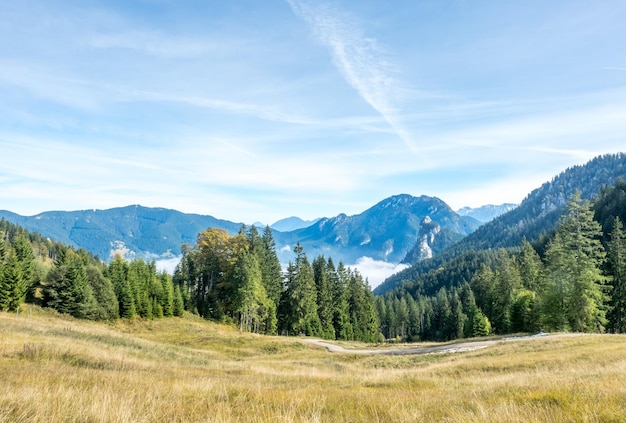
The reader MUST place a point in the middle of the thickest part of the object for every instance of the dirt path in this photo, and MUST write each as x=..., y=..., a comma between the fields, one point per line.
x=442, y=349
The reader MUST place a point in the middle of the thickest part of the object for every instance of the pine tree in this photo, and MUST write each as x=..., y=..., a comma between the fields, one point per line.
x=271, y=271
x=530, y=267
x=13, y=283
x=251, y=301
x=107, y=306
x=325, y=309
x=363, y=317
x=299, y=302
x=574, y=258
x=167, y=297
x=117, y=273
x=178, y=305
x=338, y=283
x=616, y=265
x=67, y=288
x=507, y=283
x=26, y=258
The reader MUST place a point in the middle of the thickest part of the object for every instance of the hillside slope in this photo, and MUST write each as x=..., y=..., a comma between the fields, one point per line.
x=58, y=369
x=536, y=215
x=135, y=230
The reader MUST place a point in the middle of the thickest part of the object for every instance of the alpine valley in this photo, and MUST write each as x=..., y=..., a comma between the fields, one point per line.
x=385, y=232
x=421, y=232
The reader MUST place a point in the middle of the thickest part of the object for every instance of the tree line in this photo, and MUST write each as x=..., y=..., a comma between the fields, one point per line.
x=573, y=279
x=570, y=279
x=73, y=281
x=239, y=279
x=236, y=279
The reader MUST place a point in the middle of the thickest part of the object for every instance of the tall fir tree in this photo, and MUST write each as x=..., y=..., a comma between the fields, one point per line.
x=299, y=302
x=576, y=285
x=325, y=309
x=616, y=266
x=13, y=283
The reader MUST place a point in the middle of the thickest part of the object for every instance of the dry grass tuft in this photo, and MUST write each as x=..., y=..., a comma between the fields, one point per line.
x=57, y=369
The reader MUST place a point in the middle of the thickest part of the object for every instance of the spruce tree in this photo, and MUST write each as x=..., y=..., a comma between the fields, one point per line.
x=178, y=304
x=325, y=309
x=117, y=273
x=616, y=265
x=271, y=271
x=573, y=259
x=13, y=283
x=299, y=303
x=104, y=294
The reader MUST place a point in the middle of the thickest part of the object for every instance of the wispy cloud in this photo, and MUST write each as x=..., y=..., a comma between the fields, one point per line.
x=360, y=59
x=236, y=147
x=151, y=43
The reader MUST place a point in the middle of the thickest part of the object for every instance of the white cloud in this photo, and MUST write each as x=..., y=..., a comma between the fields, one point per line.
x=376, y=271
x=167, y=264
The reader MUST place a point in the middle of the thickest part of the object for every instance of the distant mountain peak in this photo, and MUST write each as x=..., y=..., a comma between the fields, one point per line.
x=488, y=212
x=292, y=223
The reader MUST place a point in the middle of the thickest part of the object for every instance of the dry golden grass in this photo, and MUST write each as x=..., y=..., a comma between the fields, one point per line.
x=56, y=369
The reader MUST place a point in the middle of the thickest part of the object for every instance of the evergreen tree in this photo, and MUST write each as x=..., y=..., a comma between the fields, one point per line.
x=299, y=302
x=365, y=324
x=117, y=273
x=338, y=283
x=325, y=307
x=178, y=304
x=107, y=306
x=26, y=258
x=67, y=288
x=251, y=302
x=483, y=287
x=271, y=271
x=616, y=265
x=573, y=260
x=13, y=283
x=530, y=267
x=507, y=282
x=167, y=296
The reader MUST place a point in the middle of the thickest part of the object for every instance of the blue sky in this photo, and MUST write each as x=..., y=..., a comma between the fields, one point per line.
x=255, y=111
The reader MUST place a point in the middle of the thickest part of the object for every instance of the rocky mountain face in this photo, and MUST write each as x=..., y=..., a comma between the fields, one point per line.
x=431, y=239
x=387, y=231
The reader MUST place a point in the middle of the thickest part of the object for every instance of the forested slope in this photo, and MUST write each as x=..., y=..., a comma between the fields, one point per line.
x=532, y=220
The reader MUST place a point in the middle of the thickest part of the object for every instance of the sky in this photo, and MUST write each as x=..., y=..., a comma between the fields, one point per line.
x=253, y=111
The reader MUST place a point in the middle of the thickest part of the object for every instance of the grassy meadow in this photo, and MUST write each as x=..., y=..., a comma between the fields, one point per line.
x=57, y=369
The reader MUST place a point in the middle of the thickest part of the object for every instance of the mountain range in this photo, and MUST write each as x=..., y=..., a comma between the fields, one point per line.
x=386, y=232
x=420, y=232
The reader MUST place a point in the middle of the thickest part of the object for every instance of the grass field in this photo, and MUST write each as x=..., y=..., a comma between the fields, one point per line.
x=57, y=369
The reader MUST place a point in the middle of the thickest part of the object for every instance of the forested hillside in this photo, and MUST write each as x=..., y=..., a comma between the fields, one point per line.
x=73, y=281
x=534, y=219
x=139, y=231
x=233, y=279
x=572, y=279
